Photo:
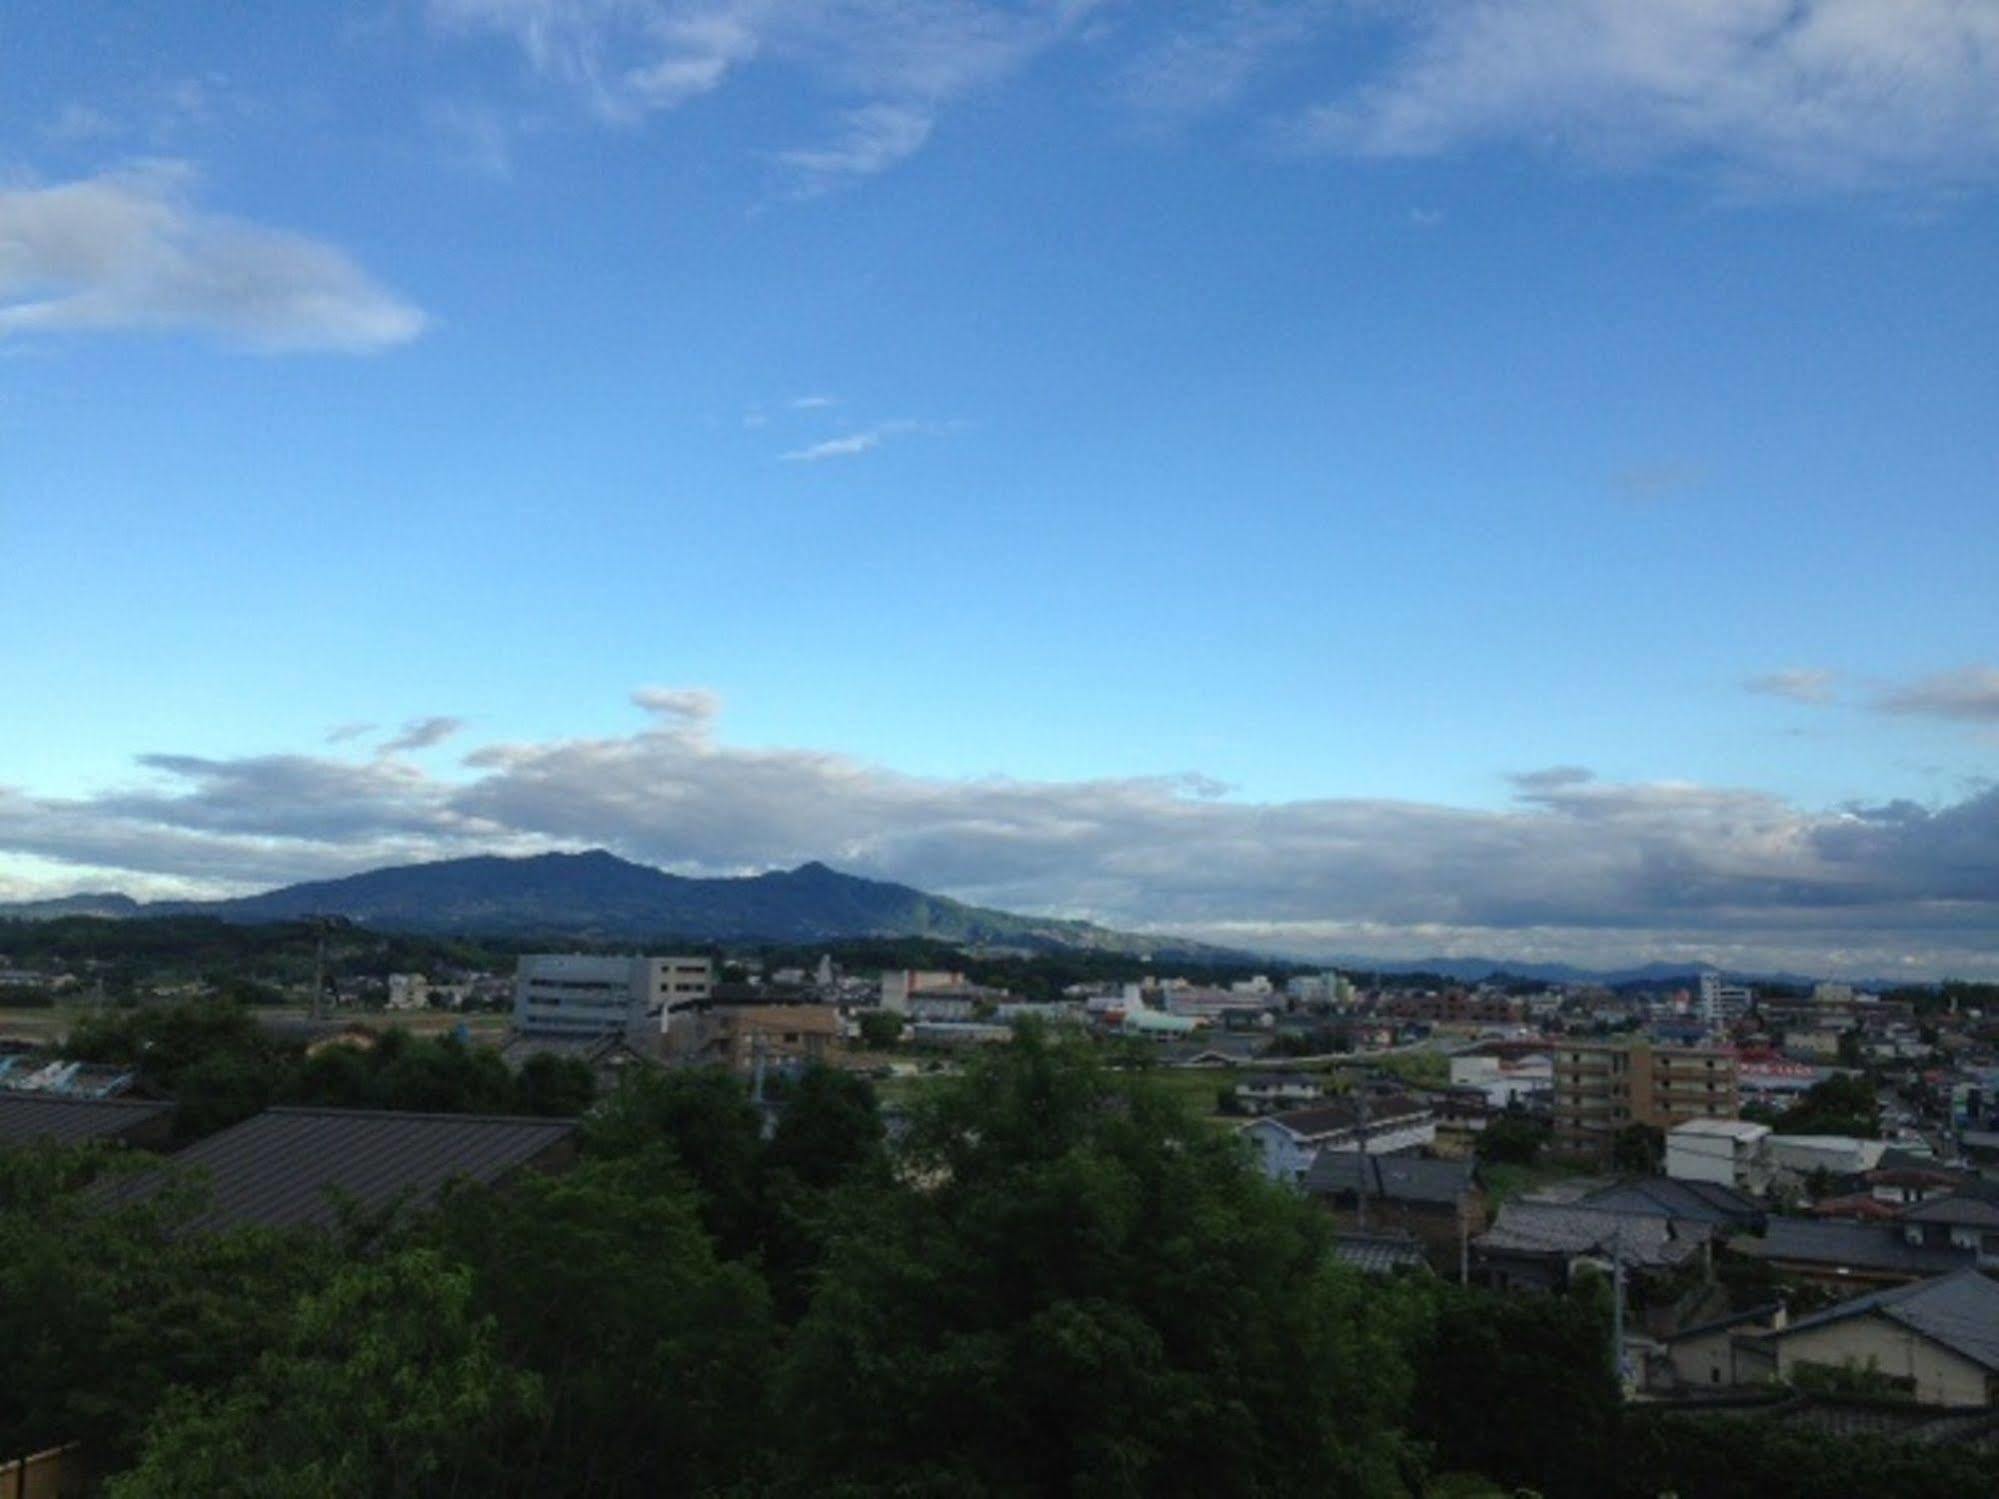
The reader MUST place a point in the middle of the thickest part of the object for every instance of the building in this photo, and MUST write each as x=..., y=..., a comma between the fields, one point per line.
x=409, y=991
x=1965, y=1220
x=1938, y=1339
x=302, y=1168
x=573, y=994
x=1506, y=1081
x=1846, y=1257
x=745, y=1037
x=1604, y=1087
x=1729, y=1152
x=1539, y=1246
x=1287, y=1144
x=1273, y=1092
x=609, y=1058
x=1438, y=1203
x=62, y=1119
x=1721, y=1004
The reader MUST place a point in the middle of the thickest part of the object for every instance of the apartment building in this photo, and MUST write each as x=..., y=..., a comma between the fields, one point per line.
x=578, y=994
x=1602, y=1087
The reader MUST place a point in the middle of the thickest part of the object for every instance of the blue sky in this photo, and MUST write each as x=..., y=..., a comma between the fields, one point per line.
x=1182, y=469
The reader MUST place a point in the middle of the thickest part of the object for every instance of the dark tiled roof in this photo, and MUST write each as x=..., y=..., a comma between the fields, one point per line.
x=1330, y=1118
x=1857, y=1246
x=1667, y=1197
x=1392, y=1178
x=1645, y=1242
x=1960, y=1312
x=1755, y=1314
x=27, y=1117
x=1972, y=1209
x=1379, y=1254
x=286, y=1167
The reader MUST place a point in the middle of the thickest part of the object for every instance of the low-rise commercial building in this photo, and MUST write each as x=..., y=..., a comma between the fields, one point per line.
x=577, y=994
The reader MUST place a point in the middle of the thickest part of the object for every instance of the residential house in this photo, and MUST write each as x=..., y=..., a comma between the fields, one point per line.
x=1719, y=1353
x=1288, y=1143
x=1274, y=1092
x=1938, y=1339
x=1848, y=1257
x=1539, y=1246
x=1439, y=1203
x=1966, y=1220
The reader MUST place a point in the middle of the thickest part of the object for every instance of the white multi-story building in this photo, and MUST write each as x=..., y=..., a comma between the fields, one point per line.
x=1732, y=1152
x=1722, y=1003
x=577, y=994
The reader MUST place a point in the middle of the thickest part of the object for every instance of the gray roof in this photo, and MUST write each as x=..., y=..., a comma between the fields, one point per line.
x=1642, y=1242
x=1971, y=1209
x=1857, y=1246
x=1379, y=1254
x=1960, y=1312
x=1393, y=1178
x=1332, y=1118
x=286, y=1168
x=1666, y=1197
x=27, y=1117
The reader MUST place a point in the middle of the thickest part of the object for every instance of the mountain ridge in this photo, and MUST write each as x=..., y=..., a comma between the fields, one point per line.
x=596, y=894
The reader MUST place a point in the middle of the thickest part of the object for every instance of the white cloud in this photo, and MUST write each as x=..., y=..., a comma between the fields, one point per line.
x=893, y=64
x=1801, y=684
x=814, y=403
x=128, y=250
x=1969, y=696
x=1577, y=867
x=471, y=137
x=1823, y=93
x=76, y=123
x=852, y=445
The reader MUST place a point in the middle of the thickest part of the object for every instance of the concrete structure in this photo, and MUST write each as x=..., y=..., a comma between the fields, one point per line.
x=1604, y=1087
x=572, y=994
x=1729, y=1152
x=1273, y=1092
x=1798, y=1156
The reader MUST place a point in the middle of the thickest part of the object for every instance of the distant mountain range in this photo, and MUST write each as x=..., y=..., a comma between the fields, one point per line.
x=600, y=896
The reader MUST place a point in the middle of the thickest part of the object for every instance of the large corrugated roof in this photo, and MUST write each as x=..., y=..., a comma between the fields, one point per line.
x=287, y=1168
x=28, y=1117
x=1392, y=1178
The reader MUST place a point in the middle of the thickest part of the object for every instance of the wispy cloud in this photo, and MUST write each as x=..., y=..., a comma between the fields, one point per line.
x=890, y=65
x=852, y=445
x=341, y=733
x=423, y=733
x=1576, y=866
x=1800, y=684
x=1818, y=93
x=1970, y=695
x=814, y=403
x=473, y=138
x=130, y=251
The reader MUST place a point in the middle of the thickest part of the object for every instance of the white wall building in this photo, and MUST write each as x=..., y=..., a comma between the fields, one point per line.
x=1722, y=1003
x=1729, y=1152
x=576, y=994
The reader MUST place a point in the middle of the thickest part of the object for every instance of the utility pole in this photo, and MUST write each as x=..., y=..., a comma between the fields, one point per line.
x=1360, y=1200
x=318, y=967
x=1617, y=1305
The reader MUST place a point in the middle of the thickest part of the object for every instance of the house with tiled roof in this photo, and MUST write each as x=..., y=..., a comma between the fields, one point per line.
x=1938, y=1338
x=1286, y=1144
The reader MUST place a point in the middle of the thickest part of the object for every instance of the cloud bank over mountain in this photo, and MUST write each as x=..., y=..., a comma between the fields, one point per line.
x=1573, y=868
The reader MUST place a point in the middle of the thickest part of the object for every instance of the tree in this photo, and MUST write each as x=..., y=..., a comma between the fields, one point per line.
x=1639, y=1149
x=828, y=1139
x=559, y=1087
x=1519, y=1389
x=386, y=1383
x=881, y=1029
x=1843, y=1104
x=703, y=1117
x=1512, y=1140
x=1074, y=1286
x=652, y=1354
